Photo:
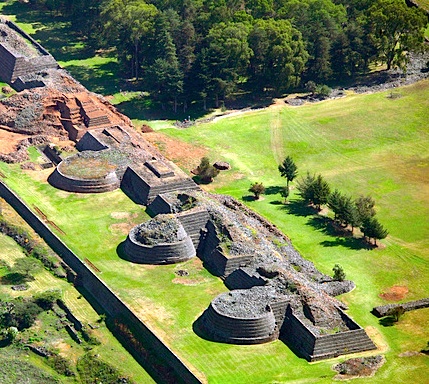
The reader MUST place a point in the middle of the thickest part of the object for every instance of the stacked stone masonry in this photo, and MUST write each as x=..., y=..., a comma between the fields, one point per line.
x=14, y=64
x=71, y=184
x=164, y=253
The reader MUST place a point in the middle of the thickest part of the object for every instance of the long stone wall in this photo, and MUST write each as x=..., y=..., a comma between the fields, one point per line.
x=99, y=291
x=383, y=310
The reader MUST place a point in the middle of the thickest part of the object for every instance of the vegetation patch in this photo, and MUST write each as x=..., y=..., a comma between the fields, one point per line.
x=87, y=167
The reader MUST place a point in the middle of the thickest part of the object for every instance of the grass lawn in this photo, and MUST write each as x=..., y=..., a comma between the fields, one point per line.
x=362, y=144
x=32, y=367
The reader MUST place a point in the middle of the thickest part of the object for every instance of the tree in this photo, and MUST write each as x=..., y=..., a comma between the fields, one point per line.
x=339, y=274
x=306, y=187
x=284, y=192
x=396, y=312
x=26, y=266
x=321, y=191
x=288, y=169
x=372, y=229
x=128, y=24
x=395, y=29
x=224, y=59
x=314, y=190
x=334, y=203
x=164, y=76
x=279, y=55
x=257, y=189
x=364, y=208
x=206, y=172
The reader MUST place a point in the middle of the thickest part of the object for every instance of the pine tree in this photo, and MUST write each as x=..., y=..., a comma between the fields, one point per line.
x=288, y=169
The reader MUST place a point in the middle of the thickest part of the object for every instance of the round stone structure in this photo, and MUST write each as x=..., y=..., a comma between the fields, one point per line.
x=85, y=173
x=236, y=318
x=162, y=240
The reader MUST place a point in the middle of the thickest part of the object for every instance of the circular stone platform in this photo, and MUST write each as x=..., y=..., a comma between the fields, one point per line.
x=162, y=240
x=85, y=172
x=237, y=318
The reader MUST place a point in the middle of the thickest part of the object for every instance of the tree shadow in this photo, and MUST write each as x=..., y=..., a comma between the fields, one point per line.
x=347, y=242
x=277, y=202
x=273, y=190
x=249, y=198
x=299, y=208
x=387, y=321
x=15, y=278
x=101, y=78
x=343, y=236
x=143, y=107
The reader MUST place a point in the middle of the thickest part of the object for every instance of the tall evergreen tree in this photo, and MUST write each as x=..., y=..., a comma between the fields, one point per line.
x=288, y=169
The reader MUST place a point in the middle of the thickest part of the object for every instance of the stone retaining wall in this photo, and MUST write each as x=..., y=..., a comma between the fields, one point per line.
x=97, y=290
x=67, y=183
x=164, y=253
x=300, y=339
x=214, y=259
x=13, y=65
x=239, y=330
x=383, y=310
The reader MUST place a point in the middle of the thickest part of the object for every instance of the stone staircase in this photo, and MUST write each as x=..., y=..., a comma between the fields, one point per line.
x=194, y=221
x=328, y=346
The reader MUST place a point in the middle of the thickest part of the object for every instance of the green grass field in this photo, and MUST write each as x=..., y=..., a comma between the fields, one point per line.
x=31, y=368
x=362, y=144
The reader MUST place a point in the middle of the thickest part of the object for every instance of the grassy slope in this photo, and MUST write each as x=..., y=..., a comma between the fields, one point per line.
x=110, y=349
x=361, y=144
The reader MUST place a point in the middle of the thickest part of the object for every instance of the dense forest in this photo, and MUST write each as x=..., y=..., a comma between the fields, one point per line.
x=186, y=50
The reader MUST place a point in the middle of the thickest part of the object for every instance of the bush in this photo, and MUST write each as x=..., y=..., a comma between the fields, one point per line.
x=257, y=189
x=396, y=313
x=339, y=274
x=206, y=172
x=46, y=300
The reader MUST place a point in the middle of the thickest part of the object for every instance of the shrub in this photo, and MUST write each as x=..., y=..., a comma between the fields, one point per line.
x=46, y=300
x=206, y=172
x=257, y=189
x=396, y=313
x=339, y=274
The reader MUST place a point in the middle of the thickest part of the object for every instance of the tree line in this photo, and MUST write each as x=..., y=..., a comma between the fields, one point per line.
x=314, y=190
x=187, y=50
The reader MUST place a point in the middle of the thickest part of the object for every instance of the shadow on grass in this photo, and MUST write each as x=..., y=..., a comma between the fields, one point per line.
x=15, y=279
x=99, y=78
x=273, y=190
x=54, y=32
x=387, y=321
x=299, y=208
x=144, y=108
x=344, y=236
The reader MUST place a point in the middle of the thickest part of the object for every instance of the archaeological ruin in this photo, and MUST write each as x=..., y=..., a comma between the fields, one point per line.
x=274, y=292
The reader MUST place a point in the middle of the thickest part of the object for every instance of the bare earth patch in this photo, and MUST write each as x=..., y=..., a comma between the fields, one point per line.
x=10, y=140
x=394, y=293
x=377, y=338
x=359, y=367
x=120, y=215
x=185, y=155
x=121, y=228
